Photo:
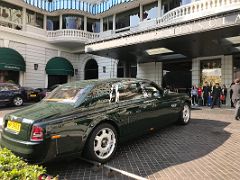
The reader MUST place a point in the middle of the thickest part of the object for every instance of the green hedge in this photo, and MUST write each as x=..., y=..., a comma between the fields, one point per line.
x=13, y=168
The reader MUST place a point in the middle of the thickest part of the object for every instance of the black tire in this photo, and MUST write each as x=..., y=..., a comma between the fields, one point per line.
x=185, y=114
x=17, y=101
x=93, y=152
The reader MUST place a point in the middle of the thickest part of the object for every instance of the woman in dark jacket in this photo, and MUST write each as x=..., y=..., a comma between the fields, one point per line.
x=230, y=94
x=216, y=95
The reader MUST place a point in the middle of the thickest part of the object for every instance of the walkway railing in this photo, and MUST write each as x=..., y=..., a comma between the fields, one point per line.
x=72, y=33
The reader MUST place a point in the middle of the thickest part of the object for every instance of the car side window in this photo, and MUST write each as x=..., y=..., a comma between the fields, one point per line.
x=100, y=93
x=12, y=87
x=150, y=90
x=3, y=88
x=125, y=91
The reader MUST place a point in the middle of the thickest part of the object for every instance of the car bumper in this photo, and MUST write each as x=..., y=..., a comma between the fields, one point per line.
x=35, y=152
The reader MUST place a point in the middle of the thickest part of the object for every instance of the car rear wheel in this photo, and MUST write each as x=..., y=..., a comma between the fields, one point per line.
x=102, y=143
x=185, y=114
x=17, y=101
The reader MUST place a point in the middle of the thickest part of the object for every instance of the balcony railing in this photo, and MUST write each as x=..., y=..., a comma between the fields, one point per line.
x=192, y=11
x=195, y=10
x=198, y=9
x=72, y=33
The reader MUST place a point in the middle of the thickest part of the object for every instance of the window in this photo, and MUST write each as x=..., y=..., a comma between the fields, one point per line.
x=93, y=25
x=211, y=71
x=129, y=18
x=73, y=22
x=150, y=90
x=11, y=15
x=34, y=19
x=108, y=23
x=125, y=91
x=53, y=23
x=150, y=11
x=12, y=87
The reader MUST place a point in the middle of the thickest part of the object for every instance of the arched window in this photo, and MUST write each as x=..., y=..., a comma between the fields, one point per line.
x=91, y=69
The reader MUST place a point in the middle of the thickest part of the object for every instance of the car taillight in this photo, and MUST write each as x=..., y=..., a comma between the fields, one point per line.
x=37, y=133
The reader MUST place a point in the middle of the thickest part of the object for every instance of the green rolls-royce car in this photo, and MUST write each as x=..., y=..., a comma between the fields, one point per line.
x=90, y=118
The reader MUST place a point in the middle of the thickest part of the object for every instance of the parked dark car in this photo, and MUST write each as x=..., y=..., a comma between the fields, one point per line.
x=90, y=118
x=30, y=94
x=11, y=94
x=41, y=93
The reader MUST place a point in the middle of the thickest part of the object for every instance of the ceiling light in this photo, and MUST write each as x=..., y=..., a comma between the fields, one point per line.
x=234, y=40
x=158, y=51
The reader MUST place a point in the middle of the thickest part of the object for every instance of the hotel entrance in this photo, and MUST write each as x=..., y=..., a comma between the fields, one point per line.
x=177, y=76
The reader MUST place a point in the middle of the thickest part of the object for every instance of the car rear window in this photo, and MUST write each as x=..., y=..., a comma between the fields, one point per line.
x=66, y=94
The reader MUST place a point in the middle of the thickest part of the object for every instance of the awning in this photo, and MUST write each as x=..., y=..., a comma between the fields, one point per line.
x=59, y=66
x=11, y=60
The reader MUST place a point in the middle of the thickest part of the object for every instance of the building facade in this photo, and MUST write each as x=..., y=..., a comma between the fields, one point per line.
x=175, y=43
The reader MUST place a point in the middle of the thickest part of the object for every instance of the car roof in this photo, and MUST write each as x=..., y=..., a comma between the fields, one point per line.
x=95, y=82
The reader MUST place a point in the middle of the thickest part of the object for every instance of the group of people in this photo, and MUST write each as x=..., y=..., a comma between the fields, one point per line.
x=209, y=95
x=216, y=95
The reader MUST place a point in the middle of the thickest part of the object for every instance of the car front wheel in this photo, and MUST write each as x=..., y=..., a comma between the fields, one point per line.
x=185, y=114
x=17, y=101
x=102, y=143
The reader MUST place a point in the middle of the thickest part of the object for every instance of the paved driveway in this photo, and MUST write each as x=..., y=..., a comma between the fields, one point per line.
x=207, y=148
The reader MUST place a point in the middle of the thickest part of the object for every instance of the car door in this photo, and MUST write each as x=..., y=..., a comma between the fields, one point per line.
x=130, y=100
x=158, y=110
x=4, y=94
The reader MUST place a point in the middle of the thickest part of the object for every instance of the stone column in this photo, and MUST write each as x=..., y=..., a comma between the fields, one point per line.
x=159, y=9
x=60, y=22
x=196, y=71
x=21, y=78
x=141, y=12
x=227, y=74
x=45, y=22
x=101, y=25
x=151, y=71
x=46, y=81
x=114, y=22
x=85, y=23
x=24, y=20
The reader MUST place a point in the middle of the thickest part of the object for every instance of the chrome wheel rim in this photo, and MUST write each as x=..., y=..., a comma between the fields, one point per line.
x=186, y=113
x=17, y=101
x=104, y=143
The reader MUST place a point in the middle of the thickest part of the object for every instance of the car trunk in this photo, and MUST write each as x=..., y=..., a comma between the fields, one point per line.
x=17, y=128
x=18, y=125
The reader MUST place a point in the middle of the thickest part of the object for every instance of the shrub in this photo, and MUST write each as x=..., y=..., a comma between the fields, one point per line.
x=14, y=168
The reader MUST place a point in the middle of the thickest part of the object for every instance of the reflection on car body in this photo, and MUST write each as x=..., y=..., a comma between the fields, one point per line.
x=90, y=118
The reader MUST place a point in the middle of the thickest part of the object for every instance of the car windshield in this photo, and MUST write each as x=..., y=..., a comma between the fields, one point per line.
x=68, y=93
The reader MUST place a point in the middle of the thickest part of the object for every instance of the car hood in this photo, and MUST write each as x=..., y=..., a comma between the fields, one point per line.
x=43, y=110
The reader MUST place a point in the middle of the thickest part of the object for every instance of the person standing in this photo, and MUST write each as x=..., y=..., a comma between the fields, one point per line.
x=224, y=94
x=230, y=94
x=206, y=90
x=200, y=100
x=194, y=93
x=216, y=95
x=236, y=97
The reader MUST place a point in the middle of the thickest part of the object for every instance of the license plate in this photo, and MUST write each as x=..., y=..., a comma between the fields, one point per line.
x=33, y=95
x=14, y=126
